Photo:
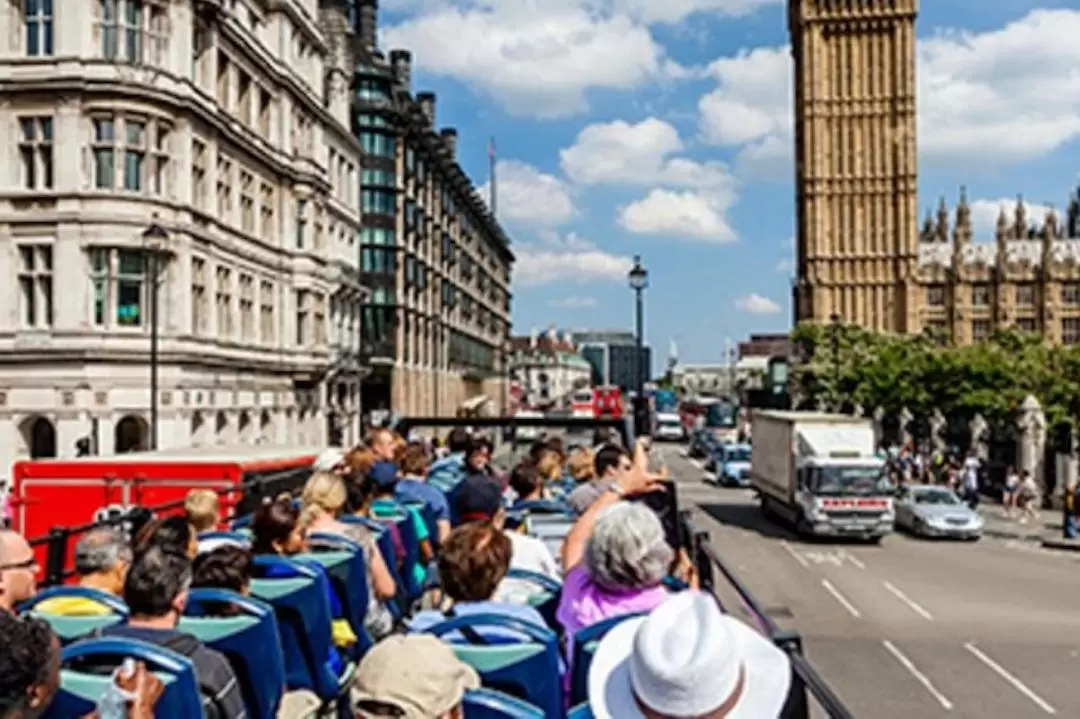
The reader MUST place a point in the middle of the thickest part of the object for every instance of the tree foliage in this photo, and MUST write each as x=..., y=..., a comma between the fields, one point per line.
x=846, y=364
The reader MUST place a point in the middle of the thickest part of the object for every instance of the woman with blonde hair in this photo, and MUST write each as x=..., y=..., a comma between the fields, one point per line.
x=581, y=465
x=324, y=499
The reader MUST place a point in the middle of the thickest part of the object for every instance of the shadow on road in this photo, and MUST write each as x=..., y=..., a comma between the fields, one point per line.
x=748, y=517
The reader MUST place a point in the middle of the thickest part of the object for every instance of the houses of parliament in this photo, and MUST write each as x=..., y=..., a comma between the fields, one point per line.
x=862, y=255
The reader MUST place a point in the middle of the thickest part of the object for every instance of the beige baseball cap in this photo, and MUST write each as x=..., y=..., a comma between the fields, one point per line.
x=417, y=674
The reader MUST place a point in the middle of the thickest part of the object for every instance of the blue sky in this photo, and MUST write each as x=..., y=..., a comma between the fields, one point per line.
x=663, y=128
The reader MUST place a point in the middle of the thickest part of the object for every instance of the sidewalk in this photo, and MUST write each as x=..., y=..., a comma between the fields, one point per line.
x=1046, y=532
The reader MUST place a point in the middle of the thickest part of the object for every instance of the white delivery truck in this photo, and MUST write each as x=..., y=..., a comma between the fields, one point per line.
x=818, y=471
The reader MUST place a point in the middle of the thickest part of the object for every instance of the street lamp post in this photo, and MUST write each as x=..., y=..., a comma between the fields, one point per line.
x=639, y=281
x=154, y=238
x=834, y=337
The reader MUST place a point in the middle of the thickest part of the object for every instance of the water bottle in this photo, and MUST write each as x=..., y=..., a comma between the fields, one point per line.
x=113, y=703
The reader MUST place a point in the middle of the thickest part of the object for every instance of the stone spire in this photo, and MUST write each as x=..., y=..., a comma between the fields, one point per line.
x=942, y=229
x=1002, y=232
x=963, y=231
x=1020, y=223
x=1072, y=217
x=927, y=232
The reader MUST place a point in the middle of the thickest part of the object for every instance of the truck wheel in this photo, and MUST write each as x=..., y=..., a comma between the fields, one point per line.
x=802, y=527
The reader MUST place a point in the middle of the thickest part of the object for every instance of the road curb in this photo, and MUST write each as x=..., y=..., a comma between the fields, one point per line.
x=1061, y=545
x=1006, y=534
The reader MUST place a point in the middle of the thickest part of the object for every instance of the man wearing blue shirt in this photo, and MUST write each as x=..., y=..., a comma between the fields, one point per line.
x=413, y=488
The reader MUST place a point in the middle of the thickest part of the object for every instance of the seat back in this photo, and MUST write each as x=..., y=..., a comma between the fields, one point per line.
x=542, y=506
x=80, y=689
x=490, y=704
x=546, y=598
x=209, y=541
x=527, y=669
x=404, y=522
x=551, y=529
x=70, y=628
x=585, y=642
x=249, y=640
x=302, y=609
x=430, y=521
x=346, y=566
x=581, y=711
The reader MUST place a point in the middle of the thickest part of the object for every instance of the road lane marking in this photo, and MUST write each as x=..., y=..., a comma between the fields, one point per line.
x=794, y=554
x=919, y=676
x=912, y=604
x=857, y=562
x=841, y=598
x=1004, y=674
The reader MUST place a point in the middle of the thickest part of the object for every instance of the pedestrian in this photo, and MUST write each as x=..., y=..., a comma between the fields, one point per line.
x=1009, y=491
x=971, y=482
x=1028, y=498
x=1068, y=524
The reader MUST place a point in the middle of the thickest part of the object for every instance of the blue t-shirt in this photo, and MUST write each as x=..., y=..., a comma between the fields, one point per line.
x=411, y=490
x=447, y=473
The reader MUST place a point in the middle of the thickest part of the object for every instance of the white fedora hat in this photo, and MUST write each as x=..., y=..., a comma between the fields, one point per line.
x=687, y=659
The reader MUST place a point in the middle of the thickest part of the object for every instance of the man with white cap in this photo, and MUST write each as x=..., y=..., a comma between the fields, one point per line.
x=331, y=459
x=686, y=659
x=412, y=677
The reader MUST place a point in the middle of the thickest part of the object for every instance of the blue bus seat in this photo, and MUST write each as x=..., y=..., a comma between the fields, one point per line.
x=428, y=514
x=249, y=640
x=80, y=690
x=528, y=670
x=240, y=538
x=581, y=711
x=547, y=596
x=585, y=641
x=346, y=565
x=303, y=614
x=542, y=507
x=409, y=589
x=70, y=628
x=490, y=704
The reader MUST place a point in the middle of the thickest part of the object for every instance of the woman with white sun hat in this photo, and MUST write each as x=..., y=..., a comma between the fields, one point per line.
x=687, y=660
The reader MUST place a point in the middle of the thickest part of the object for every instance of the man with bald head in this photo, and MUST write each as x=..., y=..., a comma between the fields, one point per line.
x=18, y=570
x=102, y=558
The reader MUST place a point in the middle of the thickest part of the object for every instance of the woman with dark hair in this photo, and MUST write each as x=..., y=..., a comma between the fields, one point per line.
x=173, y=535
x=227, y=567
x=277, y=529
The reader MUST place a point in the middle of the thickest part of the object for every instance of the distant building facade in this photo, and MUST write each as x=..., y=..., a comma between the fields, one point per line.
x=613, y=357
x=547, y=368
x=1026, y=276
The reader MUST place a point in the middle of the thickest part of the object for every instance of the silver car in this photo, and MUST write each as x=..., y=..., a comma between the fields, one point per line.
x=928, y=510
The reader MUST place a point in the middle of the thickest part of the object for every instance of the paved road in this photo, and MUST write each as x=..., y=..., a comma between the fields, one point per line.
x=909, y=628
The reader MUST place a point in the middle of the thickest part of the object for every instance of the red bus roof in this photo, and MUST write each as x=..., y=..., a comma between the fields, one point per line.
x=242, y=458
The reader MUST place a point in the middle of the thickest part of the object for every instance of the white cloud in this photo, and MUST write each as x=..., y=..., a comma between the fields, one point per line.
x=567, y=259
x=755, y=304
x=641, y=153
x=537, y=58
x=531, y=197
x=1002, y=96
x=574, y=303
x=785, y=267
x=673, y=11
x=687, y=214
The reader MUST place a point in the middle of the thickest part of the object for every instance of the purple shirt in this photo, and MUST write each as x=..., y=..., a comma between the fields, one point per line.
x=584, y=604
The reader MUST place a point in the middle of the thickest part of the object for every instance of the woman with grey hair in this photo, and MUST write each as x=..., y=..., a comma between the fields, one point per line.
x=616, y=556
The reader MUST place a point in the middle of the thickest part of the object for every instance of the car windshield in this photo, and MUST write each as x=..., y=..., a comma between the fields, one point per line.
x=738, y=455
x=935, y=496
x=722, y=415
x=853, y=480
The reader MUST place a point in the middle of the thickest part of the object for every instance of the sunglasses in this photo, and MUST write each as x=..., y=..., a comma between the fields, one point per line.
x=29, y=564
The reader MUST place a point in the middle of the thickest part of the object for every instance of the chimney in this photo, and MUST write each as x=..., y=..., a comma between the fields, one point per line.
x=449, y=138
x=401, y=64
x=427, y=105
x=367, y=24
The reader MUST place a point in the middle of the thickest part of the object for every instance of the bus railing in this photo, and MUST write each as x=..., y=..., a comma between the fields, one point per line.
x=807, y=683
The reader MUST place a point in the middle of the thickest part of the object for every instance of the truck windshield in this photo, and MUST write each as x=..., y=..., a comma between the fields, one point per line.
x=723, y=415
x=840, y=481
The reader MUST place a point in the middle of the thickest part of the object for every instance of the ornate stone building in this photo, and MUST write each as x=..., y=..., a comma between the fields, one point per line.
x=1026, y=276
x=855, y=160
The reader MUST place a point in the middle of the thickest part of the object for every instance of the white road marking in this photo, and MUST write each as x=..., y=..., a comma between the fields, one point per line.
x=1004, y=674
x=794, y=554
x=857, y=562
x=825, y=558
x=919, y=676
x=912, y=604
x=841, y=598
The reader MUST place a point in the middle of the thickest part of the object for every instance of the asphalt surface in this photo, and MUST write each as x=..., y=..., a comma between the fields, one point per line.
x=911, y=628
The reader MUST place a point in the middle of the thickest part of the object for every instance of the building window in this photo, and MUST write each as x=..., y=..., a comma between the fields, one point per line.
x=266, y=313
x=36, y=286
x=935, y=296
x=134, y=154
x=198, y=174
x=378, y=236
x=1025, y=295
x=135, y=31
x=378, y=144
x=224, y=188
x=247, y=308
x=38, y=16
x=319, y=319
x=980, y=330
x=1027, y=324
x=224, y=304
x=200, y=302
x=372, y=89
x=159, y=159
x=1070, y=294
x=378, y=260
x=1070, y=331
x=247, y=202
x=119, y=281
x=981, y=296
x=301, y=224
x=136, y=133
x=104, y=154
x=266, y=211
x=379, y=202
x=303, y=317
x=36, y=152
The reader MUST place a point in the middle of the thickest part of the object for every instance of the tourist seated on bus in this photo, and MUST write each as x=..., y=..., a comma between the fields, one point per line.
x=527, y=484
x=277, y=529
x=324, y=500
x=433, y=688
x=580, y=465
x=361, y=493
x=445, y=473
x=360, y=460
x=173, y=534
x=413, y=465
x=102, y=558
x=616, y=556
x=203, y=510
x=480, y=500
x=156, y=591
x=227, y=567
x=333, y=460
x=18, y=570
x=472, y=563
x=384, y=476
x=609, y=463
